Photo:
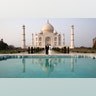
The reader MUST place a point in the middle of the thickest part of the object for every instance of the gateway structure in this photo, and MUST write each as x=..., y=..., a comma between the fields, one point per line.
x=48, y=36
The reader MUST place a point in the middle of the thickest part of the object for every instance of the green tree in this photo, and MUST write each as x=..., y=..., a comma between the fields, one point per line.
x=3, y=45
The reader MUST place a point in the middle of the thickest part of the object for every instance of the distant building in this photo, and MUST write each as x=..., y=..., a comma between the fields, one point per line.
x=94, y=42
x=48, y=36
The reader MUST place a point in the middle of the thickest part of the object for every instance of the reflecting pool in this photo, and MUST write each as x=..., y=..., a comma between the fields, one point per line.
x=48, y=67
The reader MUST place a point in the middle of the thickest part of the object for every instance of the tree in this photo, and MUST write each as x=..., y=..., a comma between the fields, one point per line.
x=3, y=45
x=11, y=47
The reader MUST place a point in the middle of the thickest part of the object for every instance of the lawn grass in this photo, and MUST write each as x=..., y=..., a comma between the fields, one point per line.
x=10, y=51
x=83, y=50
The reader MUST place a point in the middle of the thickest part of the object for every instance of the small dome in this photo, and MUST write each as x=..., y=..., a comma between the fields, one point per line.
x=48, y=27
x=55, y=32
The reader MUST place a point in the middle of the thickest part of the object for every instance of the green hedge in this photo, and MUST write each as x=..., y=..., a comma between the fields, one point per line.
x=11, y=51
x=34, y=50
x=83, y=50
x=61, y=50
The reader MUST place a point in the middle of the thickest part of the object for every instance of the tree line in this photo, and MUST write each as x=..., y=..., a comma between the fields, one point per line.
x=5, y=46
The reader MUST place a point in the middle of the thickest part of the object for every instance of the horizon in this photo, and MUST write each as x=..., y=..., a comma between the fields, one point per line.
x=82, y=27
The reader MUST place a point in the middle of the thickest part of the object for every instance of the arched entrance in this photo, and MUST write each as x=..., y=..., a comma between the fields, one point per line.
x=48, y=41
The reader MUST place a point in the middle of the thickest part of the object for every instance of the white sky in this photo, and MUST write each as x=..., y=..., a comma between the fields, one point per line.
x=11, y=29
x=47, y=8
x=15, y=13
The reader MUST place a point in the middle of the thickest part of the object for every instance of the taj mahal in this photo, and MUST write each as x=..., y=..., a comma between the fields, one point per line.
x=48, y=36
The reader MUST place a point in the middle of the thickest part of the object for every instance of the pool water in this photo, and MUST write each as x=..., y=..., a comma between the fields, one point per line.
x=48, y=67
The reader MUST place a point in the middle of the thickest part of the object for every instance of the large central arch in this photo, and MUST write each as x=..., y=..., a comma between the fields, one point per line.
x=48, y=41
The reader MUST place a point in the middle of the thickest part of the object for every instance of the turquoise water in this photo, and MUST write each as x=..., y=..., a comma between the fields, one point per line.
x=47, y=67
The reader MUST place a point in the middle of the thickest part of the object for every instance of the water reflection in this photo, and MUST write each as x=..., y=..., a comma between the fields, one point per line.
x=49, y=64
x=23, y=62
x=72, y=64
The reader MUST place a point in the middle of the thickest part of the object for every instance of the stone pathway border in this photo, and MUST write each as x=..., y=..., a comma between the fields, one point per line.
x=70, y=54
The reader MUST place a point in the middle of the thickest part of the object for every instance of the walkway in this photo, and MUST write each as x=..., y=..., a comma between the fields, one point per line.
x=51, y=52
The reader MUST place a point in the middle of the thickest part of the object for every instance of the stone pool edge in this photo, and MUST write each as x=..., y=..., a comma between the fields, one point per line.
x=44, y=55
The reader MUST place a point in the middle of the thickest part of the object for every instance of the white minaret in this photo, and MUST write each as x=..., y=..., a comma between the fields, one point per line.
x=32, y=40
x=23, y=38
x=63, y=40
x=72, y=37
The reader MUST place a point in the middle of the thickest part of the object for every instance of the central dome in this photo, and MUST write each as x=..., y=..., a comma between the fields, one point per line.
x=48, y=27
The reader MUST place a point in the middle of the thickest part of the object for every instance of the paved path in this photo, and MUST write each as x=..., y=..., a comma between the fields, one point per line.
x=51, y=52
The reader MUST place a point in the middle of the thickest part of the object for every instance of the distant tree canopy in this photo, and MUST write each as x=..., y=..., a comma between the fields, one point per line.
x=11, y=47
x=3, y=45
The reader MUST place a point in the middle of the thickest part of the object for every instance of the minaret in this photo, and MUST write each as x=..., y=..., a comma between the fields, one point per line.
x=63, y=39
x=23, y=38
x=72, y=37
x=32, y=40
x=59, y=40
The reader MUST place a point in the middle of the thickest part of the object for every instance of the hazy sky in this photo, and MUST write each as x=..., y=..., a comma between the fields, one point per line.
x=15, y=13
x=84, y=29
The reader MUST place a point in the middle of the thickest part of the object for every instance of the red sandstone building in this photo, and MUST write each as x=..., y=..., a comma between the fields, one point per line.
x=94, y=42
